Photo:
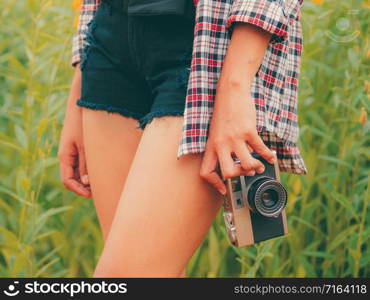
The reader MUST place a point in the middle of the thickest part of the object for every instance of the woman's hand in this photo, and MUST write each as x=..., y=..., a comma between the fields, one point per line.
x=71, y=154
x=232, y=129
x=233, y=133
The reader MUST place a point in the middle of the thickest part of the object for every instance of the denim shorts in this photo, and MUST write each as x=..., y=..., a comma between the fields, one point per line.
x=137, y=66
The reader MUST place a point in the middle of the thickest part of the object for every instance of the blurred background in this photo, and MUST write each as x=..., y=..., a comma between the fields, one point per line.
x=47, y=231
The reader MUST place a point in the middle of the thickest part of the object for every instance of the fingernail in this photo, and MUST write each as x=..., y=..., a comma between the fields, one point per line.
x=85, y=179
x=260, y=170
x=222, y=192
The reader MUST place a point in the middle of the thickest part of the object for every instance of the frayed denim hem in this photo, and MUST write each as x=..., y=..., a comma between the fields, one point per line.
x=149, y=117
x=112, y=109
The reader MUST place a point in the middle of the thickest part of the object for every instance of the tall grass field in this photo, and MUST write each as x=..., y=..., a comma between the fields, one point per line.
x=47, y=231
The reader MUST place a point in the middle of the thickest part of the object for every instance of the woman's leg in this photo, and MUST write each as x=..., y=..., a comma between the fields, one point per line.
x=165, y=209
x=110, y=143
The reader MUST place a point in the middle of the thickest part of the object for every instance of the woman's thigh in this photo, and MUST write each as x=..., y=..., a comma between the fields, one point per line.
x=110, y=142
x=165, y=209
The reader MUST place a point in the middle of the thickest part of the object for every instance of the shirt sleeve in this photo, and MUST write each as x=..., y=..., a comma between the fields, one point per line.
x=87, y=11
x=273, y=16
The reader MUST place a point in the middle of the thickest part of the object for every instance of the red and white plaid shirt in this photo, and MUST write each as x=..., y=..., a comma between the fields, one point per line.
x=274, y=87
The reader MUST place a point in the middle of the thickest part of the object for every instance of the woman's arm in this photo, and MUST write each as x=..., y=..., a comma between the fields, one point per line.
x=243, y=57
x=233, y=124
x=73, y=171
x=71, y=154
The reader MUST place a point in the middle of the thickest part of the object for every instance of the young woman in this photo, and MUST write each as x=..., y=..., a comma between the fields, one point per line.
x=149, y=89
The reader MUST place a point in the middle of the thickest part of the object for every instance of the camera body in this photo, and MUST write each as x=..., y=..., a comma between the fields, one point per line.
x=254, y=206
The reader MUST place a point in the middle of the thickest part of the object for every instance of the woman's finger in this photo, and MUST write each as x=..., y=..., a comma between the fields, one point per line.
x=259, y=147
x=228, y=166
x=67, y=173
x=208, y=171
x=70, y=182
x=247, y=162
x=82, y=166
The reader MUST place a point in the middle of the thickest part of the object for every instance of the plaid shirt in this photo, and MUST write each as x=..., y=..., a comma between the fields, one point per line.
x=274, y=88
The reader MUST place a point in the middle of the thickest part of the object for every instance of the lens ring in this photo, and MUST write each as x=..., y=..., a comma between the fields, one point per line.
x=256, y=196
x=279, y=189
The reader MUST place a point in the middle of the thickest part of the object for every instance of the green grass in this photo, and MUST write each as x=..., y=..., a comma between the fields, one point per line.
x=47, y=231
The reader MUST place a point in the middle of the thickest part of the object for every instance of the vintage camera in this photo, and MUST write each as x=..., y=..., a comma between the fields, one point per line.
x=254, y=206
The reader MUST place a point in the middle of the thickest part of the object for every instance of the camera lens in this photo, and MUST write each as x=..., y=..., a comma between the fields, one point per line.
x=267, y=197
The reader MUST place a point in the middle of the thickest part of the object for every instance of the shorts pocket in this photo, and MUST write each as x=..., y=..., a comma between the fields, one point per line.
x=185, y=68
